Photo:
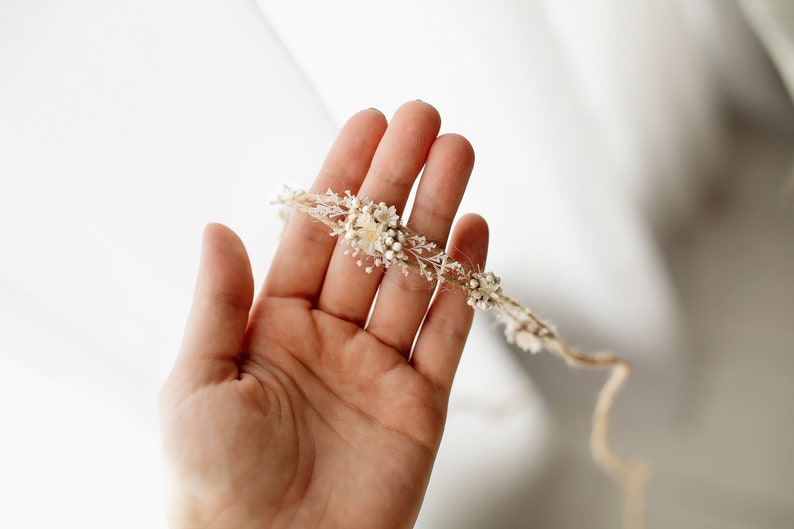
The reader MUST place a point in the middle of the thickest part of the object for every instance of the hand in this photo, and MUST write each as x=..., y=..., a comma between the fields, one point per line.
x=304, y=410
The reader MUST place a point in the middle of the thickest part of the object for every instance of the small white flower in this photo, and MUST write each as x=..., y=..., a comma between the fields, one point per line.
x=373, y=230
x=368, y=234
x=526, y=341
x=484, y=290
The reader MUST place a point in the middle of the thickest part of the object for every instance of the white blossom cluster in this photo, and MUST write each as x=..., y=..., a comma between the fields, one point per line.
x=376, y=235
x=484, y=290
x=524, y=330
x=373, y=230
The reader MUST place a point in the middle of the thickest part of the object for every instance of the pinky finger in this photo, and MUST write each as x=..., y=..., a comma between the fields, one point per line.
x=442, y=337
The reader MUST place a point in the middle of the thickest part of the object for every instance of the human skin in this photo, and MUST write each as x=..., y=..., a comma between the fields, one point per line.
x=316, y=404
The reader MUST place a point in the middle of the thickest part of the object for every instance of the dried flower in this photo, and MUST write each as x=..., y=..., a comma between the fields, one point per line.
x=483, y=289
x=370, y=230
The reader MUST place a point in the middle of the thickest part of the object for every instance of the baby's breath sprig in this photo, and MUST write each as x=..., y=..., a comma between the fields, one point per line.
x=378, y=240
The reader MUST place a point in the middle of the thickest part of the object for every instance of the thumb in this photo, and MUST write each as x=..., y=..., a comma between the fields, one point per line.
x=219, y=314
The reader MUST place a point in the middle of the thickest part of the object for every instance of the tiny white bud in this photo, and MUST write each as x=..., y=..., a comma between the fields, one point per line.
x=526, y=341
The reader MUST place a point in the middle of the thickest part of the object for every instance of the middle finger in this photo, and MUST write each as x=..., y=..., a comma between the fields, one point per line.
x=347, y=290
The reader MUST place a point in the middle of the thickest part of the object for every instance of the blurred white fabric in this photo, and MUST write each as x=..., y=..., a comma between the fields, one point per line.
x=126, y=126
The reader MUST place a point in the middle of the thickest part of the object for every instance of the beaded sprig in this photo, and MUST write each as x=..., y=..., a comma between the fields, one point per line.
x=377, y=239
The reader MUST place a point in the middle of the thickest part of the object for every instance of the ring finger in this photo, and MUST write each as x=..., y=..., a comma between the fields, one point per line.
x=403, y=299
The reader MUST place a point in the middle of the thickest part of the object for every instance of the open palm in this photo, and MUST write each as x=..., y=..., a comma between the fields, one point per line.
x=320, y=405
